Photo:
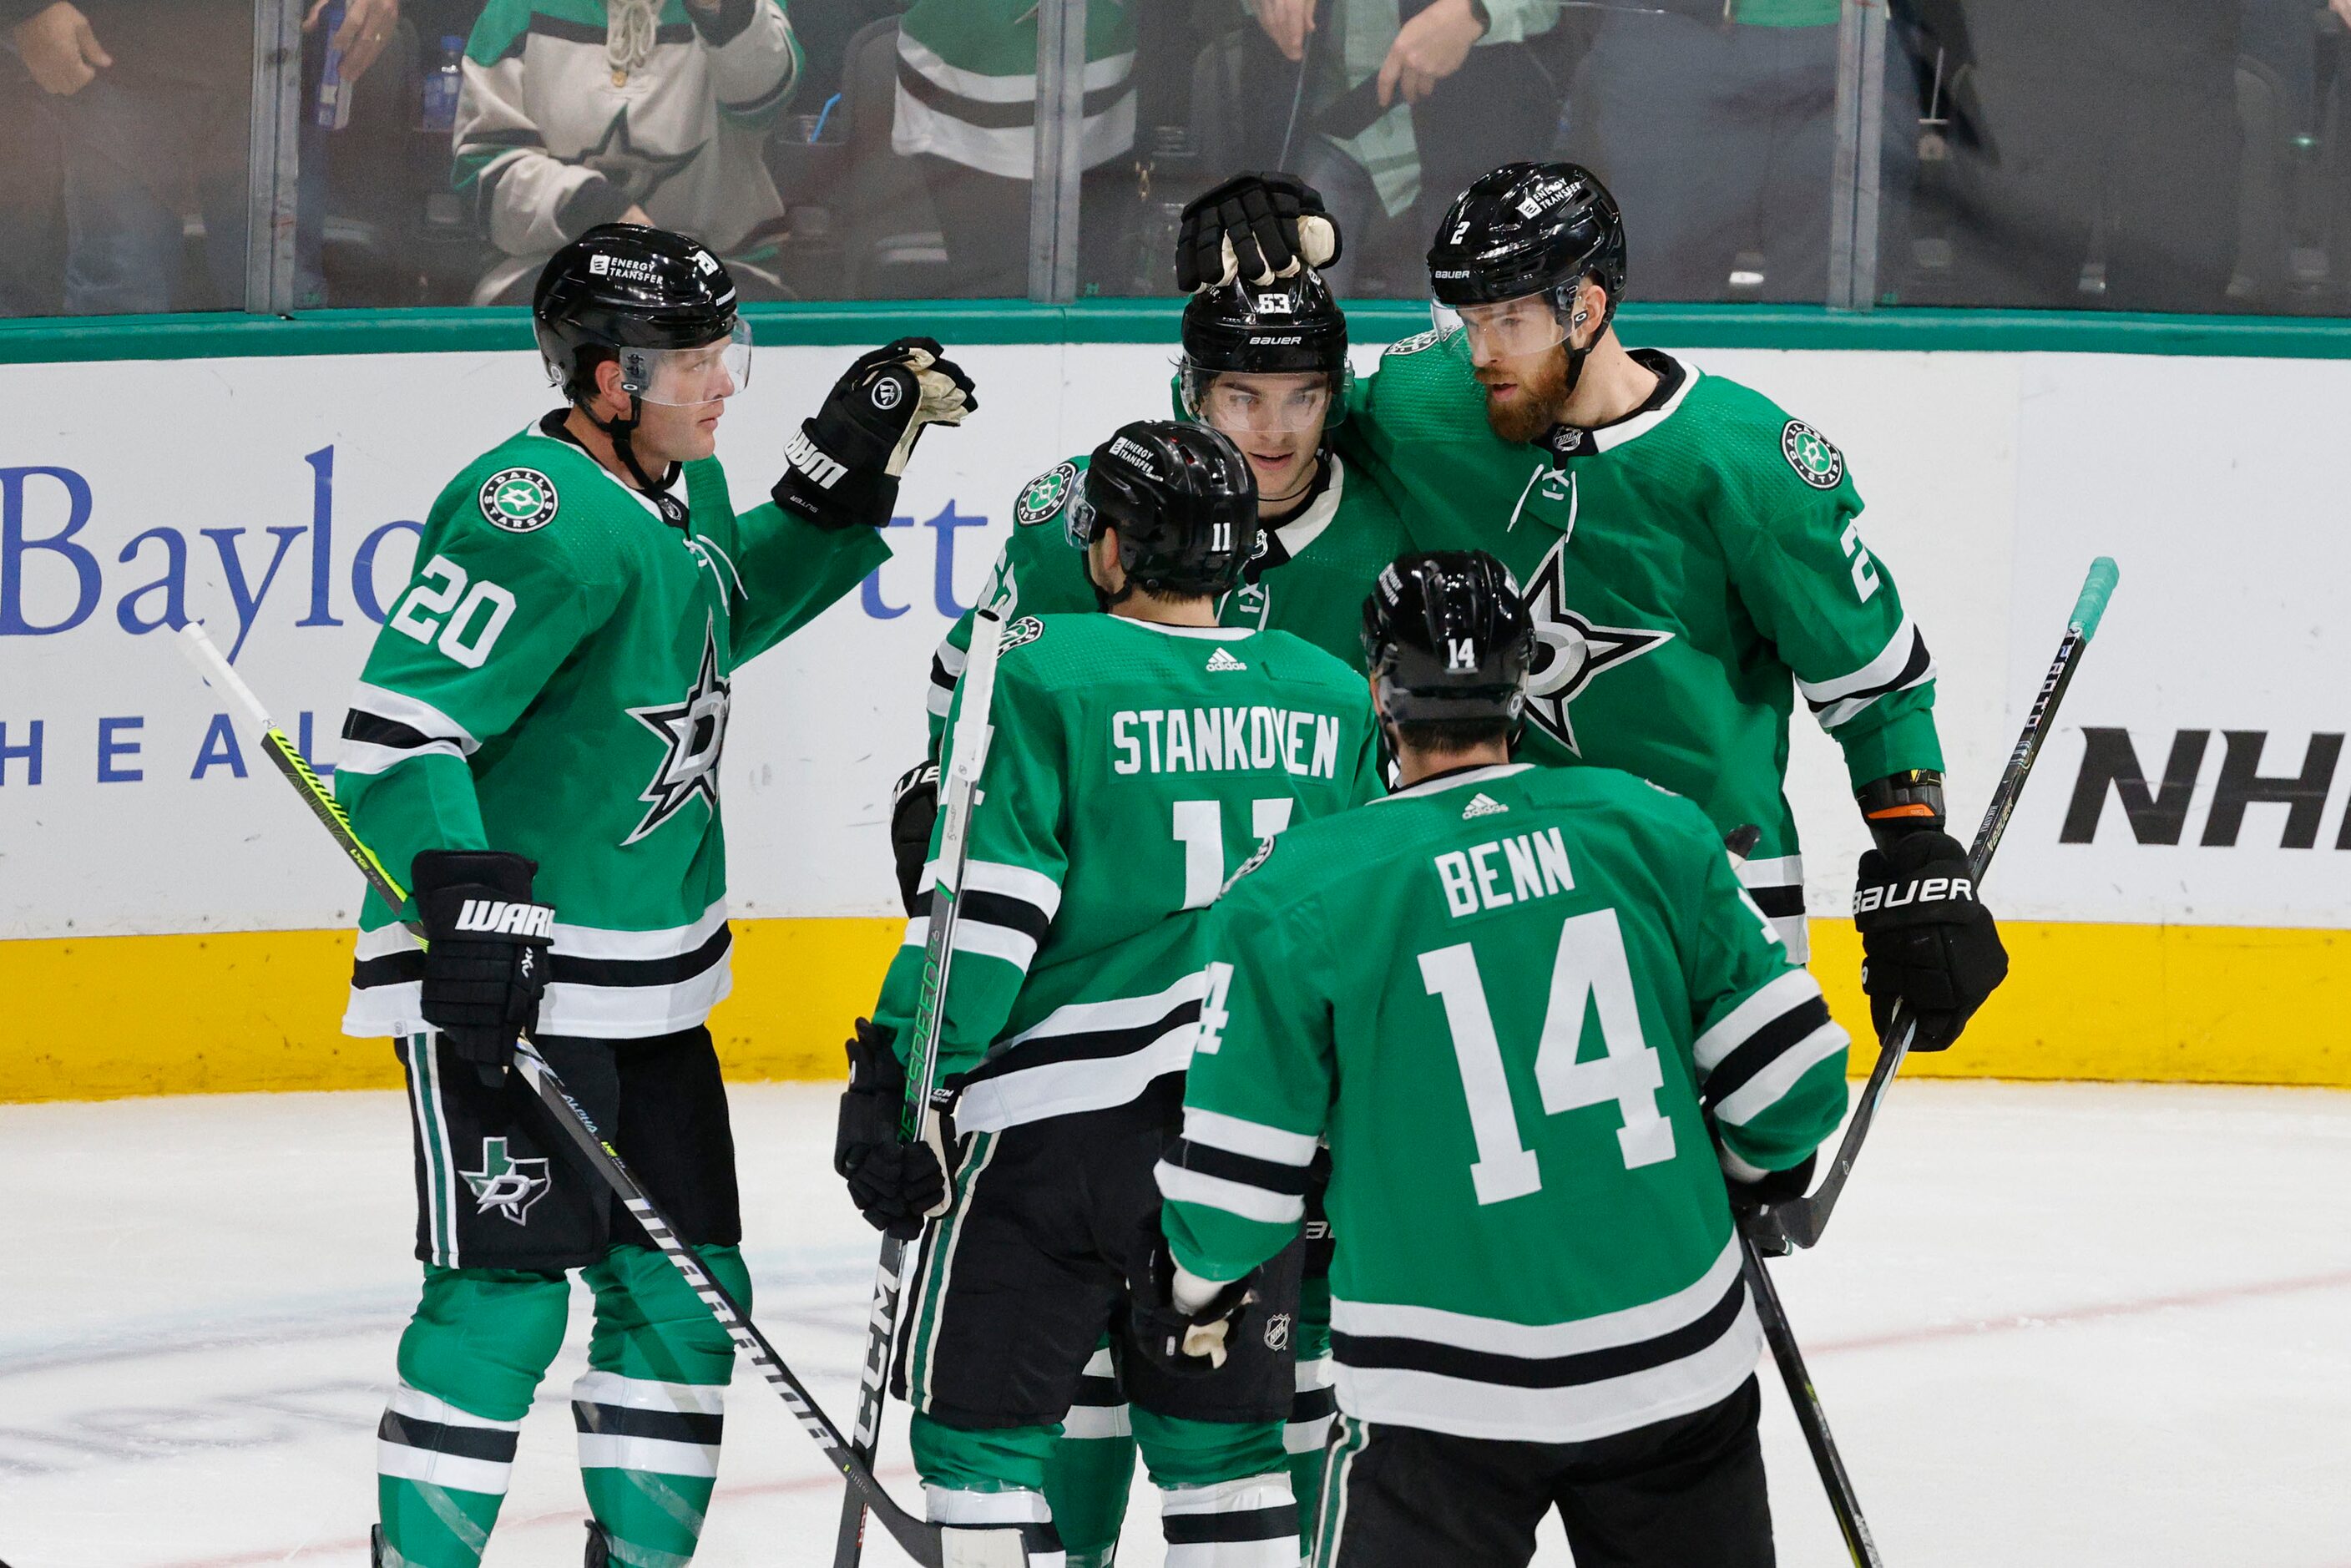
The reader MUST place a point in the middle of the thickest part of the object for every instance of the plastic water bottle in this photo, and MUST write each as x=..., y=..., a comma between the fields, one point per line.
x=438, y=110
x=334, y=93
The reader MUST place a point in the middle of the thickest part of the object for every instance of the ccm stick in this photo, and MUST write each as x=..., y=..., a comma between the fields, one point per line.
x=921, y=1542
x=1800, y=1221
x=958, y=792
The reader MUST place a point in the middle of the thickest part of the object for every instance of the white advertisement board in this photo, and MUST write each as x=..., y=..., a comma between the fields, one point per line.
x=278, y=499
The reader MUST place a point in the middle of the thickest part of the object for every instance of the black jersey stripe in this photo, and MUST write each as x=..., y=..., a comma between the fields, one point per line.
x=1765, y=1046
x=1777, y=903
x=566, y=968
x=1913, y=668
x=1276, y=1524
x=627, y=1421
x=1015, y=114
x=488, y=1443
x=374, y=729
x=978, y=906
x=1394, y=1352
x=1092, y=1046
x=1266, y=1176
x=1313, y=1404
x=1104, y=1393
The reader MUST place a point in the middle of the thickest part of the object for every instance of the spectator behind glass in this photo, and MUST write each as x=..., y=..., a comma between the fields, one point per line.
x=657, y=117
x=151, y=100
x=966, y=111
x=1404, y=103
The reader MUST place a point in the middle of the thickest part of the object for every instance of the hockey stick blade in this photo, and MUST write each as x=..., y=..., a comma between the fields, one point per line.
x=921, y=1540
x=1800, y=1221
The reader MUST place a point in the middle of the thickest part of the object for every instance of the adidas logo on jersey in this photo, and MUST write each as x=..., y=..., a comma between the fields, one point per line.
x=505, y=918
x=1483, y=805
x=1220, y=660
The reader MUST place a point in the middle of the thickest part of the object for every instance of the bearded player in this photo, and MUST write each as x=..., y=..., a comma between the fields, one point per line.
x=1691, y=556
x=534, y=743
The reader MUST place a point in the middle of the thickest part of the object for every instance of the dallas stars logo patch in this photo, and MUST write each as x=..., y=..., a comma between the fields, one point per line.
x=518, y=500
x=1042, y=497
x=1572, y=652
x=505, y=1184
x=695, y=733
x=1808, y=451
x=1020, y=633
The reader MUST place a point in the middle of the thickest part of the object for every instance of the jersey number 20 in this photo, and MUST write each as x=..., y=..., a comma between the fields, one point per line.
x=1590, y=971
x=465, y=637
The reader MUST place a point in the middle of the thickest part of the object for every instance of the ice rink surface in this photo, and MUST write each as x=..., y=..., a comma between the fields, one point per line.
x=2077, y=1324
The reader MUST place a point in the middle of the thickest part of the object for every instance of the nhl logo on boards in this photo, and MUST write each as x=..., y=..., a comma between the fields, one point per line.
x=1020, y=633
x=1810, y=454
x=1277, y=1332
x=1042, y=497
x=518, y=500
x=509, y=1186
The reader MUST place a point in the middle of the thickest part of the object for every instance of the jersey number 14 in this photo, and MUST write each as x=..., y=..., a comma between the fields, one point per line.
x=1589, y=972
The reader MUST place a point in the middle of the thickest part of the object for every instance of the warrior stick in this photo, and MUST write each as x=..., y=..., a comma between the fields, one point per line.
x=921, y=1540
x=1800, y=1221
x=958, y=792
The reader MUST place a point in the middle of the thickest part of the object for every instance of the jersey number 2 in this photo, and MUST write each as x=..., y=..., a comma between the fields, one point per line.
x=1590, y=970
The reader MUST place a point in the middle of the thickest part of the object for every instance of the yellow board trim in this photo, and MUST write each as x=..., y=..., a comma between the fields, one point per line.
x=101, y=1018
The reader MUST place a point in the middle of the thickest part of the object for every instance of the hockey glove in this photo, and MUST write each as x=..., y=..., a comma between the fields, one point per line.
x=1754, y=1189
x=896, y=1186
x=1926, y=939
x=486, y=958
x=1257, y=226
x=844, y=464
x=914, y=812
x=1185, y=1340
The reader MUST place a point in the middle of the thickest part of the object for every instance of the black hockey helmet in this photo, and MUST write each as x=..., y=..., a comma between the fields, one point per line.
x=1529, y=228
x=1287, y=327
x=1447, y=637
x=1183, y=500
x=642, y=294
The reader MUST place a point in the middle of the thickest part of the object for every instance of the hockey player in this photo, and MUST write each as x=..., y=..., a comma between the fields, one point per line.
x=1550, y=988
x=1138, y=757
x=535, y=741
x=1691, y=557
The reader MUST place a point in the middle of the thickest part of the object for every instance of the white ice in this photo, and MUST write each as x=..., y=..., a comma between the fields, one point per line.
x=2072, y=1324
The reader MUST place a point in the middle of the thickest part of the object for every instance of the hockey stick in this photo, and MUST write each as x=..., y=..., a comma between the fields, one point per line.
x=1806, y=1400
x=921, y=1542
x=1800, y=1221
x=958, y=792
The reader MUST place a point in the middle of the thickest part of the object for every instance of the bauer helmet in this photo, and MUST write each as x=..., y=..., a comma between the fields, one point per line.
x=656, y=302
x=1528, y=229
x=1291, y=326
x=1447, y=637
x=1183, y=500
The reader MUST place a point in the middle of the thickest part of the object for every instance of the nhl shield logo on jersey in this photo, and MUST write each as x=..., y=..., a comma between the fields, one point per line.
x=1572, y=652
x=1020, y=633
x=1277, y=1332
x=509, y=1186
x=518, y=500
x=1816, y=461
x=1042, y=497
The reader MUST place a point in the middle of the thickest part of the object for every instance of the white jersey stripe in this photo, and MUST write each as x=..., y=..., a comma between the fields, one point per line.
x=1761, y=1092
x=414, y=712
x=1882, y=666
x=1543, y=1342
x=661, y=1455
x=427, y=1468
x=1178, y=1184
x=1061, y=1087
x=1254, y=1139
x=1734, y=1028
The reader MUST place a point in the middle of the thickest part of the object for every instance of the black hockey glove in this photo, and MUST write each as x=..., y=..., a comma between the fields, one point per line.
x=1257, y=226
x=1754, y=1189
x=1186, y=1344
x=844, y=464
x=1926, y=939
x=486, y=960
x=896, y=1186
x=914, y=812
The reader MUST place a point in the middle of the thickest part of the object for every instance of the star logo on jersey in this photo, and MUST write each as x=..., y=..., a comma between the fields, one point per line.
x=1808, y=453
x=695, y=732
x=518, y=500
x=1572, y=652
x=1043, y=496
x=633, y=170
x=505, y=1184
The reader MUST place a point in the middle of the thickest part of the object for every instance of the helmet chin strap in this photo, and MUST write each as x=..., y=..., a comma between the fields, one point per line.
x=1104, y=599
x=621, y=430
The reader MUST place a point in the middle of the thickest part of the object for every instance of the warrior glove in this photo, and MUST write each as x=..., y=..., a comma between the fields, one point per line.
x=1926, y=940
x=486, y=958
x=895, y=1185
x=844, y=464
x=1180, y=1323
x=914, y=812
x=1253, y=226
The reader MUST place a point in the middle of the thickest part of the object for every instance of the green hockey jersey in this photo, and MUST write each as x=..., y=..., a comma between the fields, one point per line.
x=553, y=681
x=1312, y=572
x=1512, y=999
x=1687, y=569
x=1135, y=766
x=967, y=84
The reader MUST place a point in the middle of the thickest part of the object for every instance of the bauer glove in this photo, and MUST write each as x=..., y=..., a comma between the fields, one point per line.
x=895, y=1185
x=1183, y=1340
x=1253, y=226
x=1926, y=940
x=844, y=464
x=486, y=958
x=914, y=812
